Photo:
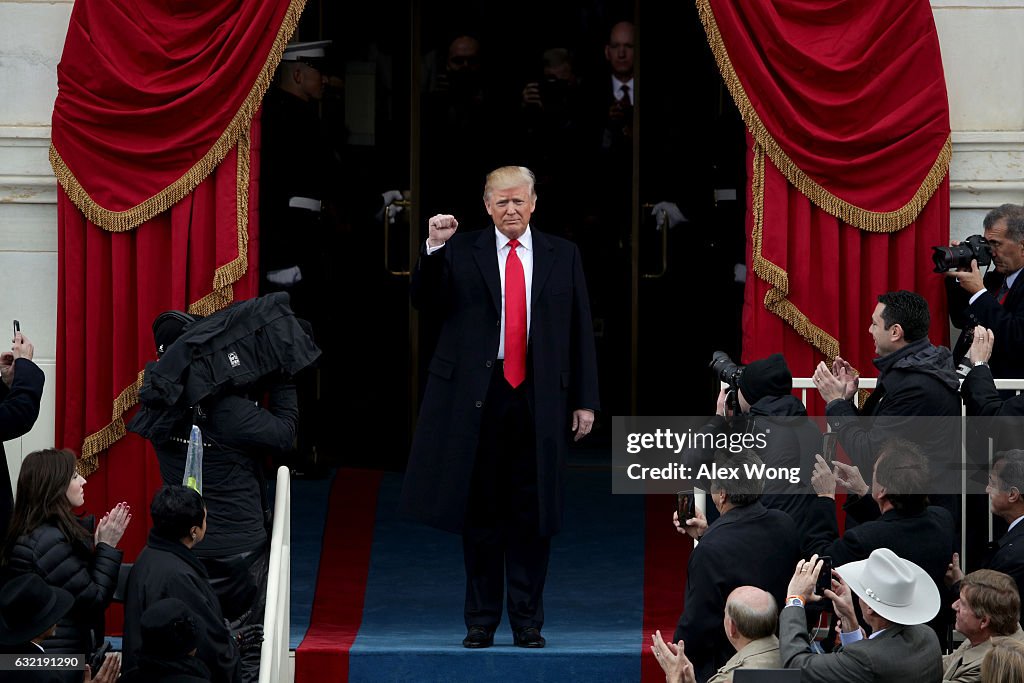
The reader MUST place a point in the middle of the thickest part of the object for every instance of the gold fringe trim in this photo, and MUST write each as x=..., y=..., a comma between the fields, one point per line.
x=223, y=294
x=775, y=300
x=121, y=221
x=871, y=221
x=109, y=435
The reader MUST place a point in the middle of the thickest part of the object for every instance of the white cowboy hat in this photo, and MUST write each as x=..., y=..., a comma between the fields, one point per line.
x=897, y=589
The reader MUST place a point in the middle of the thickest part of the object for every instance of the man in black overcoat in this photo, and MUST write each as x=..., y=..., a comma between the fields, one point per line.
x=503, y=397
x=20, y=393
x=748, y=545
x=994, y=299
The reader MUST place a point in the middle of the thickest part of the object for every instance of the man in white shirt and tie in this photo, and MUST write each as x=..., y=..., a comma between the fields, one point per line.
x=513, y=378
x=994, y=299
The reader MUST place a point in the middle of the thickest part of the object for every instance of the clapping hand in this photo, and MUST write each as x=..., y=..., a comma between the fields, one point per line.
x=673, y=660
x=823, y=479
x=849, y=477
x=107, y=673
x=112, y=526
x=981, y=345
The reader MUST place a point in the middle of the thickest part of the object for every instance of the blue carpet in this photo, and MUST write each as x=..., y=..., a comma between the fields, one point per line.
x=412, y=622
x=309, y=514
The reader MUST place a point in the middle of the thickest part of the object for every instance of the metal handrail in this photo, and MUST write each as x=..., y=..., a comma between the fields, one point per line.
x=275, y=666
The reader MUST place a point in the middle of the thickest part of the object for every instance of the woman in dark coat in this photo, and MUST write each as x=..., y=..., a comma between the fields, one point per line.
x=46, y=538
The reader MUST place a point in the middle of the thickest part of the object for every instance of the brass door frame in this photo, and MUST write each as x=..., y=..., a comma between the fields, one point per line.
x=415, y=182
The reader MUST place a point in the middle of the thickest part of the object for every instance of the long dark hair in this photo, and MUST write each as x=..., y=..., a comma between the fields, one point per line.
x=42, y=497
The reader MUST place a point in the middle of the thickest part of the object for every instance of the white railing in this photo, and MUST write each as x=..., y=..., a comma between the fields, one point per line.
x=805, y=384
x=274, y=656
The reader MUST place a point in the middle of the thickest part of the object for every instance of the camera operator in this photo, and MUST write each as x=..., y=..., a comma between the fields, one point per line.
x=762, y=403
x=994, y=300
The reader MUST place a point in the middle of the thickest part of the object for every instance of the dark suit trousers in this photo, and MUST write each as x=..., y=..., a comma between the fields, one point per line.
x=501, y=542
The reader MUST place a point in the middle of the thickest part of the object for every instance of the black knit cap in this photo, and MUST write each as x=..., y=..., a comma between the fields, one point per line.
x=766, y=377
x=170, y=629
x=168, y=326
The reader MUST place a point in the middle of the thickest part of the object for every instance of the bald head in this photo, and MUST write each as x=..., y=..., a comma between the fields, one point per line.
x=619, y=50
x=464, y=54
x=752, y=611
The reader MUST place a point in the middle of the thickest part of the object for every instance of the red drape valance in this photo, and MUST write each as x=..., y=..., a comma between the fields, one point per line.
x=152, y=98
x=155, y=147
x=847, y=98
x=845, y=103
x=153, y=95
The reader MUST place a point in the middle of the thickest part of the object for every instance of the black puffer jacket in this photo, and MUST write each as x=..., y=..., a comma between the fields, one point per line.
x=90, y=575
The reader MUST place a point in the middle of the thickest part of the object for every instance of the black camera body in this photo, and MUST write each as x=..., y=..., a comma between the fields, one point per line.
x=959, y=257
x=725, y=369
x=729, y=373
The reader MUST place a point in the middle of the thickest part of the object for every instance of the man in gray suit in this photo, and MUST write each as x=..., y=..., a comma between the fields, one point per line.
x=896, y=598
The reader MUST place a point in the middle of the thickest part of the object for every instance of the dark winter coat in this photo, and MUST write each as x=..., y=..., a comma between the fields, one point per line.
x=917, y=399
x=168, y=569
x=791, y=441
x=993, y=414
x=461, y=283
x=237, y=434
x=1005, y=320
x=19, y=408
x=89, y=574
x=747, y=546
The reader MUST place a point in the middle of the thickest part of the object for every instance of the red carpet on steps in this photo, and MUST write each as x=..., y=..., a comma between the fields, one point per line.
x=341, y=581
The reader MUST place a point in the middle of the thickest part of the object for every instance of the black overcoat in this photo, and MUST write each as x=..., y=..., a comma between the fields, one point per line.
x=460, y=283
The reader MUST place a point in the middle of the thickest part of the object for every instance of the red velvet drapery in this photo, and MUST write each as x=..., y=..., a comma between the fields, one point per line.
x=849, y=150
x=155, y=147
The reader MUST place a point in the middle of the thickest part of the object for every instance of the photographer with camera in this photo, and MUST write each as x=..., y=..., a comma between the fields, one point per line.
x=759, y=401
x=990, y=299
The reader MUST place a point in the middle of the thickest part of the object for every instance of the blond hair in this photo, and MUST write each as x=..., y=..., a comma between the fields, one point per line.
x=1004, y=663
x=509, y=176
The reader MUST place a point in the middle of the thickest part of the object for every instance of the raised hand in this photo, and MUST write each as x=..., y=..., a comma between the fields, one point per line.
x=441, y=227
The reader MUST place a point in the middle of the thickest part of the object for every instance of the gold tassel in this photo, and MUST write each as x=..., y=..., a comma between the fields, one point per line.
x=222, y=295
x=775, y=300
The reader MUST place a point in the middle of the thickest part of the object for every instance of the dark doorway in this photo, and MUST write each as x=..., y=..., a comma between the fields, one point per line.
x=435, y=96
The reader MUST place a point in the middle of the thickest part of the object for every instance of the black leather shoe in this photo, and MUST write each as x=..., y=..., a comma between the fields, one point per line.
x=528, y=637
x=478, y=637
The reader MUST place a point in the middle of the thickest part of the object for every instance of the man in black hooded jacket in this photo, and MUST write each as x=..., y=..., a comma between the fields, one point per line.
x=769, y=409
x=916, y=397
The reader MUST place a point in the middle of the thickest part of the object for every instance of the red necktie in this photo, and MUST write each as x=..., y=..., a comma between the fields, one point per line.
x=515, y=317
x=1003, y=292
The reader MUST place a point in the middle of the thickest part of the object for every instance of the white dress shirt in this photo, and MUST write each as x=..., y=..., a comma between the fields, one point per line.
x=617, y=88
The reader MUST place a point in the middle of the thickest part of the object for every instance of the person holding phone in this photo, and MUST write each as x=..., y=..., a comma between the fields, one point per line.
x=748, y=545
x=893, y=513
x=21, y=390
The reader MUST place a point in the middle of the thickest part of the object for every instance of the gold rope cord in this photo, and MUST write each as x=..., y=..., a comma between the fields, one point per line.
x=871, y=221
x=121, y=221
x=775, y=300
x=223, y=294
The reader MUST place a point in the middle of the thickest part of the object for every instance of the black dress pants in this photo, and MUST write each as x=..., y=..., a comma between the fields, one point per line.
x=501, y=540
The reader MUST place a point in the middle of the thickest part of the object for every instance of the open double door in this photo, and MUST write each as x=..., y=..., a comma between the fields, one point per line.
x=426, y=114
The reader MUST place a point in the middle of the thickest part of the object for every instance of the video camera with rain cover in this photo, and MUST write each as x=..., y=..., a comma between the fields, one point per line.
x=729, y=373
x=959, y=257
